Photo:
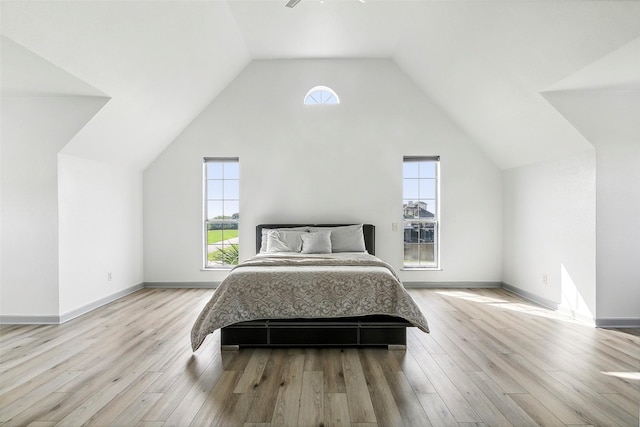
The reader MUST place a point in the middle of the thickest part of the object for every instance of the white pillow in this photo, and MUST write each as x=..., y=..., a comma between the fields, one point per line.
x=318, y=242
x=348, y=238
x=284, y=241
x=263, y=245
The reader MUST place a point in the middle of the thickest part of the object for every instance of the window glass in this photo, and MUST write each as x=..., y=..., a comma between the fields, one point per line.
x=420, y=211
x=321, y=95
x=221, y=212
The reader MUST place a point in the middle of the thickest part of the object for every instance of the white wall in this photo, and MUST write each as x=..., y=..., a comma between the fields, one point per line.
x=323, y=164
x=618, y=235
x=549, y=228
x=100, y=226
x=604, y=107
x=33, y=131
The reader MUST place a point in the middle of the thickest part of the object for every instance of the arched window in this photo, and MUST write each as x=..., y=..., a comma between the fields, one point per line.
x=321, y=95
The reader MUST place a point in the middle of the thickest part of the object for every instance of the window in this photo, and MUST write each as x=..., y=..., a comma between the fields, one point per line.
x=420, y=190
x=221, y=211
x=321, y=95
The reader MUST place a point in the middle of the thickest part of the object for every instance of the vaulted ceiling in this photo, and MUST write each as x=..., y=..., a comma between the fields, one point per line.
x=512, y=74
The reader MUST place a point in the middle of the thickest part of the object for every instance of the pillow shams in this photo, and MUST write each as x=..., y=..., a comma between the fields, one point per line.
x=284, y=241
x=263, y=245
x=318, y=242
x=349, y=238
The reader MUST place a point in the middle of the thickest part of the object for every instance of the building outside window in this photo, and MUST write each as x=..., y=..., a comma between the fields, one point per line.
x=420, y=189
x=221, y=212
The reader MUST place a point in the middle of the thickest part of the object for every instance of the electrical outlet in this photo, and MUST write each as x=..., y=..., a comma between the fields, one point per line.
x=108, y=276
x=394, y=226
x=545, y=278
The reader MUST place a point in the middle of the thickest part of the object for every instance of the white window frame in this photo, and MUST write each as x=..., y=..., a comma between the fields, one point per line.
x=435, y=220
x=205, y=214
x=318, y=96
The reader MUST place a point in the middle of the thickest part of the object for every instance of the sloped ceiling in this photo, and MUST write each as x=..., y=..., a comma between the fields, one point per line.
x=493, y=59
x=485, y=63
x=26, y=74
x=602, y=100
x=160, y=62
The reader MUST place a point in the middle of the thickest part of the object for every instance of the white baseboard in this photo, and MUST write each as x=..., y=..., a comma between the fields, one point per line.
x=587, y=320
x=618, y=322
x=56, y=320
x=451, y=285
x=552, y=305
x=99, y=303
x=20, y=319
x=602, y=322
x=181, y=285
x=611, y=322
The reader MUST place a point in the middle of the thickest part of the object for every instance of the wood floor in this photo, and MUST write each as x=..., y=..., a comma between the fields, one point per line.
x=490, y=360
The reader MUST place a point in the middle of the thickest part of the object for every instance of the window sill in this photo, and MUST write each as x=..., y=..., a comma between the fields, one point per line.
x=421, y=269
x=216, y=268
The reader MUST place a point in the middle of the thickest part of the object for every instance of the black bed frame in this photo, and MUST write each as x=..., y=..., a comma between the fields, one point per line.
x=377, y=330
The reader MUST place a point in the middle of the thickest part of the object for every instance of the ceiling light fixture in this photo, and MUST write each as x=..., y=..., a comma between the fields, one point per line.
x=292, y=3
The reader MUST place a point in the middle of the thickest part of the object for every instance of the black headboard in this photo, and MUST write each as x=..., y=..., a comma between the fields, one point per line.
x=368, y=230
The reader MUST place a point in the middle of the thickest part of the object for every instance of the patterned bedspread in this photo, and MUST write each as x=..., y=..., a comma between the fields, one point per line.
x=278, y=286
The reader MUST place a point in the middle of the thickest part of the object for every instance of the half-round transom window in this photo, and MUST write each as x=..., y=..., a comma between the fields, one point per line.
x=321, y=95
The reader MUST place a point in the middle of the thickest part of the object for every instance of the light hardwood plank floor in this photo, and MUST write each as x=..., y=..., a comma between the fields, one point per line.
x=491, y=359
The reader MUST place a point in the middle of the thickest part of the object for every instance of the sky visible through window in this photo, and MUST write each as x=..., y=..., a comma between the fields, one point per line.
x=419, y=183
x=223, y=189
x=321, y=95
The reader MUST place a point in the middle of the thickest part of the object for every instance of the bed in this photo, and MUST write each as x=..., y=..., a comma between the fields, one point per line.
x=310, y=285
